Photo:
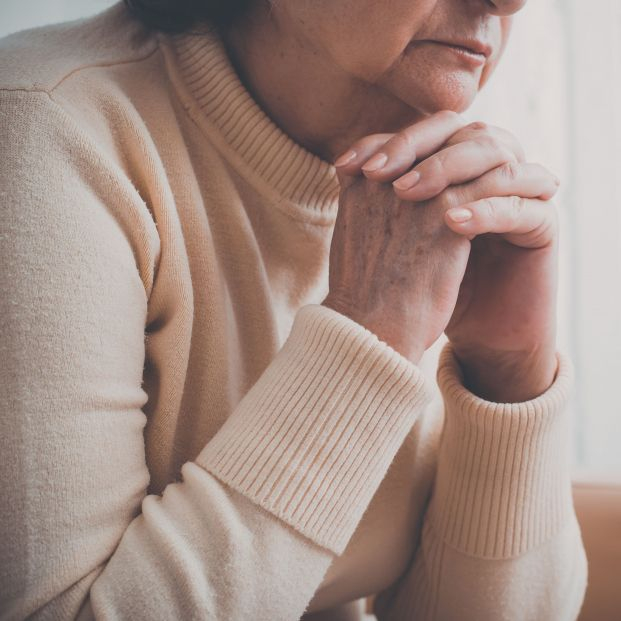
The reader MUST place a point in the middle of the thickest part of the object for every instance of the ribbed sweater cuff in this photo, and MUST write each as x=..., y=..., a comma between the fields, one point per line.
x=502, y=484
x=313, y=438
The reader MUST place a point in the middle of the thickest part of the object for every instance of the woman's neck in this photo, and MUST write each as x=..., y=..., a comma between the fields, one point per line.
x=315, y=102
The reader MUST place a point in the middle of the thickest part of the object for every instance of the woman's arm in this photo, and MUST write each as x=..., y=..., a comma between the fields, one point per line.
x=250, y=530
x=500, y=538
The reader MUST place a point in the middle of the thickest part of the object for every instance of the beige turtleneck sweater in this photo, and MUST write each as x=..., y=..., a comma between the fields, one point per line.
x=186, y=433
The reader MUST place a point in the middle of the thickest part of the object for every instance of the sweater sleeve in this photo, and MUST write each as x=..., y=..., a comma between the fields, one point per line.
x=255, y=521
x=500, y=539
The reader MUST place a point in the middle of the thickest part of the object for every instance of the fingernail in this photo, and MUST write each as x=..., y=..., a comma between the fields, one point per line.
x=459, y=214
x=347, y=157
x=407, y=181
x=375, y=163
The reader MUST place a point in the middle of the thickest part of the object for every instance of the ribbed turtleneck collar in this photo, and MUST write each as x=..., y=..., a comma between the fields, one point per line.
x=292, y=171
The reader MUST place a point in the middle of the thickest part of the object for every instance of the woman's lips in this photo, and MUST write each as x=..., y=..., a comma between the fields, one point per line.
x=472, y=52
x=467, y=54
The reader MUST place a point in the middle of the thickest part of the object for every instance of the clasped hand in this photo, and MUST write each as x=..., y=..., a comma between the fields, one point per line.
x=444, y=227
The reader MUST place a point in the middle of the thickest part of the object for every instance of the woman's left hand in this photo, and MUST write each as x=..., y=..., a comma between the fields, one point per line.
x=503, y=328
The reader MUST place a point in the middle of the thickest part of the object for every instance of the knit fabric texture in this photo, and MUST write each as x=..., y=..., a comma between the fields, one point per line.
x=187, y=433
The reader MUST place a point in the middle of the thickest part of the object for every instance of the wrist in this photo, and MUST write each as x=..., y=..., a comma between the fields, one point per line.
x=390, y=332
x=508, y=377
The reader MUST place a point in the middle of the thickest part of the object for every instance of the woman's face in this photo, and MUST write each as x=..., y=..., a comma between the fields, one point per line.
x=415, y=50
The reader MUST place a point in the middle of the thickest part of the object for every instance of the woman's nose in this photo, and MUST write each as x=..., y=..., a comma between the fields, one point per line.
x=505, y=7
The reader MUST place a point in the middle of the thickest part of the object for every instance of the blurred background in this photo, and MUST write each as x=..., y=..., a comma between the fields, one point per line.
x=558, y=89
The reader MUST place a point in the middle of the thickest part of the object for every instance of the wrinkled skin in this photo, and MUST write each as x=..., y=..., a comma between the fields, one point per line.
x=379, y=78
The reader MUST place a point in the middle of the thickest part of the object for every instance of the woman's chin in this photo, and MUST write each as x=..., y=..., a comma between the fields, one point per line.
x=444, y=91
x=448, y=93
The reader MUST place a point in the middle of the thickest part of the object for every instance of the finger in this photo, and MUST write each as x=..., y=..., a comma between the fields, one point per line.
x=528, y=180
x=479, y=128
x=412, y=143
x=400, y=151
x=349, y=163
x=456, y=164
x=525, y=222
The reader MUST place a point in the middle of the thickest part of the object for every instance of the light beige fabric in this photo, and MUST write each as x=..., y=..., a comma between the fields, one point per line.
x=186, y=432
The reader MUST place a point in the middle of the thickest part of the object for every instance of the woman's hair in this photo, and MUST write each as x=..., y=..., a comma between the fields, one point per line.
x=181, y=15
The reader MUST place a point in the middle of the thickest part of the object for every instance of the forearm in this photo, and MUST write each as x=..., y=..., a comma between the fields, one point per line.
x=500, y=537
x=203, y=550
x=444, y=584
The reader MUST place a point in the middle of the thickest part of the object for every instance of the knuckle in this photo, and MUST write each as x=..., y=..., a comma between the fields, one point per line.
x=450, y=198
x=516, y=206
x=494, y=142
x=435, y=167
x=401, y=143
x=509, y=155
x=478, y=126
x=510, y=170
x=488, y=209
x=404, y=140
x=489, y=141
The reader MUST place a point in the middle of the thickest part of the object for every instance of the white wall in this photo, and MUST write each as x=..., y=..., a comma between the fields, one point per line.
x=20, y=14
x=559, y=90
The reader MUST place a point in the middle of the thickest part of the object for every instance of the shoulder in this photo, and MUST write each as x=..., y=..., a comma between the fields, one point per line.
x=40, y=59
x=65, y=190
x=75, y=91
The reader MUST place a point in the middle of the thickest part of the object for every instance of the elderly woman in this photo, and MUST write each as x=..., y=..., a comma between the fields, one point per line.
x=230, y=231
